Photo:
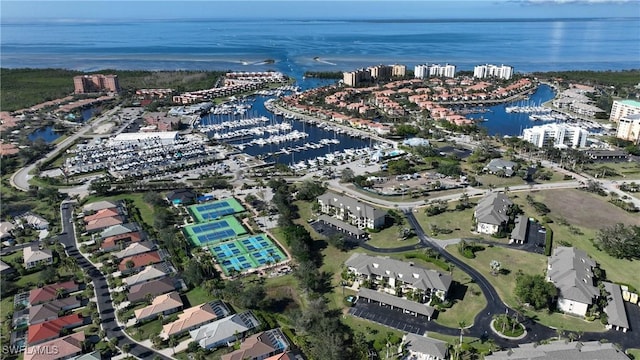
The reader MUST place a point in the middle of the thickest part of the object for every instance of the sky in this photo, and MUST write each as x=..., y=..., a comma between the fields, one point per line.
x=46, y=10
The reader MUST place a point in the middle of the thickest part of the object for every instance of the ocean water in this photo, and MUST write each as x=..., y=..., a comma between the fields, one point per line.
x=297, y=46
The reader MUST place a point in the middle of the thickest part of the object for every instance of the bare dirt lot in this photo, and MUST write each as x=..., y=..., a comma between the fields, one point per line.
x=586, y=209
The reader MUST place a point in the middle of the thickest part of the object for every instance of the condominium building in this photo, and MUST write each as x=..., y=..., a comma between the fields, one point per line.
x=399, y=70
x=398, y=277
x=629, y=128
x=623, y=108
x=355, y=78
x=380, y=72
x=556, y=135
x=488, y=70
x=571, y=271
x=430, y=70
x=352, y=211
x=96, y=83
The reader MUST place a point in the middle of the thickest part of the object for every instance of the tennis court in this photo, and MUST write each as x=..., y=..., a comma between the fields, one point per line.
x=246, y=253
x=215, y=210
x=214, y=231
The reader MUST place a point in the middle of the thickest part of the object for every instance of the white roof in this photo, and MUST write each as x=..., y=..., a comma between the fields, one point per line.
x=163, y=136
x=220, y=330
x=33, y=254
x=5, y=229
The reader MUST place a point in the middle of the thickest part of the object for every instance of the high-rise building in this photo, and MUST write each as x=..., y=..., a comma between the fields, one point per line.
x=399, y=70
x=488, y=70
x=380, y=72
x=96, y=83
x=355, y=78
x=629, y=128
x=556, y=135
x=429, y=70
x=622, y=108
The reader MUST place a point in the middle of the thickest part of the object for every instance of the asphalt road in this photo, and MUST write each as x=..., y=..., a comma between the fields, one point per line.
x=104, y=302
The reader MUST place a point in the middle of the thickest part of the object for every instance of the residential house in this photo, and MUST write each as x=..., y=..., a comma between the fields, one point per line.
x=491, y=213
x=616, y=313
x=561, y=349
x=194, y=317
x=181, y=197
x=136, y=262
x=119, y=230
x=120, y=241
x=351, y=211
x=34, y=256
x=226, y=331
x=424, y=348
x=50, y=310
x=5, y=229
x=135, y=248
x=392, y=275
x=161, y=305
x=102, y=223
x=99, y=205
x=5, y=268
x=500, y=166
x=57, y=349
x=103, y=213
x=571, y=271
x=51, y=292
x=141, y=291
x=34, y=221
x=149, y=273
x=50, y=330
x=520, y=230
x=260, y=346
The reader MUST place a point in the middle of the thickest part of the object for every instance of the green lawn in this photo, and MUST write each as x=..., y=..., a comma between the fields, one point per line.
x=623, y=169
x=489, y=179
x=388, y=238
x=6, y=307
x=146, y=330
x=587, y=213
x=460, y=223
x=529, y=263
x=634, y=352
x=146, y=210
x=197, y=296
x=481, y=347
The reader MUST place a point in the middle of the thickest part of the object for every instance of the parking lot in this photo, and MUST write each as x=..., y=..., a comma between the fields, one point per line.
x=328, y=231
x=397, y=319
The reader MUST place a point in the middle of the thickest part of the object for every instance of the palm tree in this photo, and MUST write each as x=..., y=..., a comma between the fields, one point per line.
x=173, y=342
x=126, y=347
x=60, y=292
x=462, y=325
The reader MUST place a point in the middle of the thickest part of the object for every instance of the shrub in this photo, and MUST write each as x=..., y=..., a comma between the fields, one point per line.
x=548, y=242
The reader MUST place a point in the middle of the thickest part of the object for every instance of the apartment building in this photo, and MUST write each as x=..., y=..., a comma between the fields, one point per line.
x=556, y=135
x=399, y=70
x=392, y=275
x=351, y=211
x=629, y=128
x=96, y=83
x=434, y=70
x=484, y=71
x=571, y=271
x=357, y=77
x=623, y=108
x=380, y=72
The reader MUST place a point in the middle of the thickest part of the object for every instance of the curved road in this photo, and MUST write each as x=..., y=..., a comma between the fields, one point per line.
x=481, y=326
x=104, y=301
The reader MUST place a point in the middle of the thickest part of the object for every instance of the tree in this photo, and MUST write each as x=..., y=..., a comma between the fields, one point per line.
x=620, y=241
x=535, y=290
x=347, y=175
x=126, y=347
x=495, y=267
x=101, y=187
x=130, y=264
x=173, y=342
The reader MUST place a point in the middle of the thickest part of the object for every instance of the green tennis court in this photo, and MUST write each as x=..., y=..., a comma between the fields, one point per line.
x=214, y=231
x=215, y=209
x=246, y=253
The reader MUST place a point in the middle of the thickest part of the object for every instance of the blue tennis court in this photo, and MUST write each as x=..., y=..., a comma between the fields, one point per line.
x=216, y=209
x=214, y=232
x=249, y=252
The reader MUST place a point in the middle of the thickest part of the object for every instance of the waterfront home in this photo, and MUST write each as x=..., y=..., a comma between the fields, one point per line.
x=34, y=256
x=61, y=348
x=161, y=305
x=392, y=275
x=571, y=271
x=491, y=213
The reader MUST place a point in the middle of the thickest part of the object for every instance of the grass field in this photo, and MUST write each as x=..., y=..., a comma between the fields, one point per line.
x=514, y=260
x=623, y=169
x=388, y=238
x=197, y=296
x=459, y=223
x=146, y=210
x=481, y=347
x=588, y=213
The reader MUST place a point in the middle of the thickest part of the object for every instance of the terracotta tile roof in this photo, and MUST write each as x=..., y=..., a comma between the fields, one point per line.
x=140, y=260
x=159, y=305
x=191, y=317
x=103, y=213
x=64, y=347
x=104, y=222
x=51, y=329
x=48, y=292
x=111, y=241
